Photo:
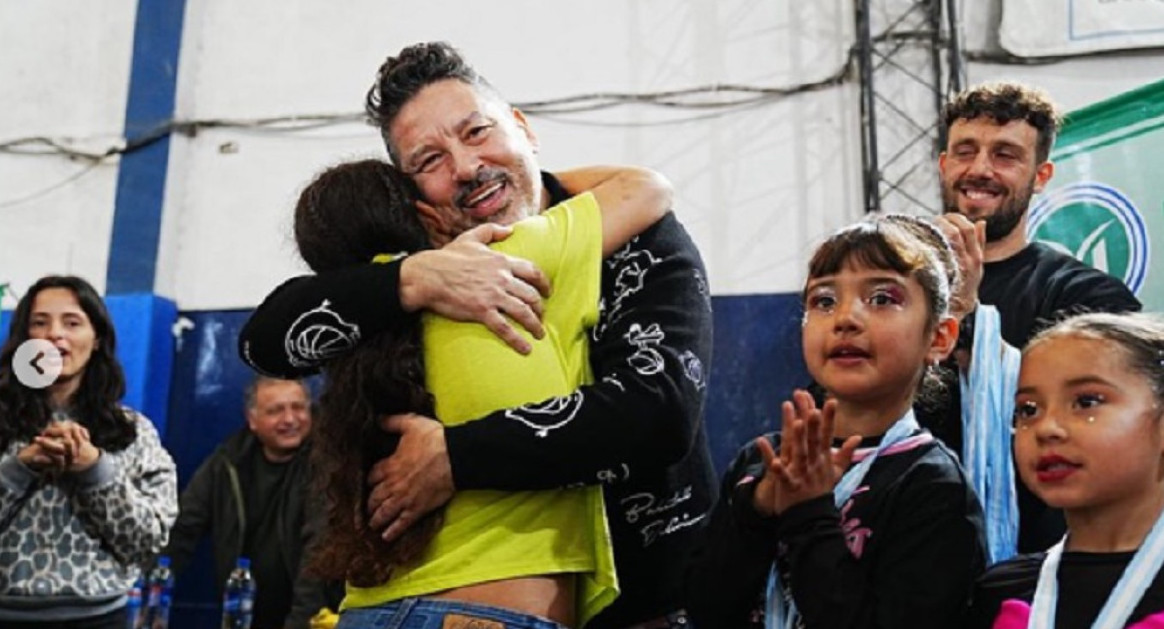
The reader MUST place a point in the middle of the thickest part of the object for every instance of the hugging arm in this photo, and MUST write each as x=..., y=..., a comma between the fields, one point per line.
x=630, y=199
x=649, y=354
x=312, y=318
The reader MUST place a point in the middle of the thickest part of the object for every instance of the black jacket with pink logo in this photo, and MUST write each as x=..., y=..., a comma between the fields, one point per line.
x=904, y=551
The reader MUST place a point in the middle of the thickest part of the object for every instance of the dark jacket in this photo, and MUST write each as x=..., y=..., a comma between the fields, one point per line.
x=213, y=503
x=903, y=551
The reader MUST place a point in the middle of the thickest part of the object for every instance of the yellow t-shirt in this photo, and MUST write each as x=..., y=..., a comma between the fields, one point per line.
x=492, y=535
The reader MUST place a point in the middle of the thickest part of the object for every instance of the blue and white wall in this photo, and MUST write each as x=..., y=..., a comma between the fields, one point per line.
x=200, y=223
x=198, y=226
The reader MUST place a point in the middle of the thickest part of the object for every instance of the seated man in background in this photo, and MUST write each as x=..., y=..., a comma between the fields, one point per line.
x=249, y=496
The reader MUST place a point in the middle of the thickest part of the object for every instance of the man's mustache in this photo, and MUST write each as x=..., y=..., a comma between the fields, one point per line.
x=981, y=184
x=483, y=177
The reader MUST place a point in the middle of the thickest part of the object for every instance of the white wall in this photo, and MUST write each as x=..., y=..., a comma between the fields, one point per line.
x=741, y=176
x=755, y=186
x=64, y=72
x=1073, y=83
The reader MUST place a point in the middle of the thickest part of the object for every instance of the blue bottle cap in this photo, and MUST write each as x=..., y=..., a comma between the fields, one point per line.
x=164, y=561
x=244, y=563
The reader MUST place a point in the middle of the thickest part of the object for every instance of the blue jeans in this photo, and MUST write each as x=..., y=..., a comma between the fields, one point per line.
x=437, y=613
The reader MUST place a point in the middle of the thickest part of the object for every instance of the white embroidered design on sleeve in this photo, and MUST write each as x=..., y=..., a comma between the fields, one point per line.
x=612, y=379
x=319, y=334
x=693, y=368
x=632, y=268
x=599, y=329
x=611, y=476
x=660, y=515
x=704, y=290
x=537, y=415
x=646, y=360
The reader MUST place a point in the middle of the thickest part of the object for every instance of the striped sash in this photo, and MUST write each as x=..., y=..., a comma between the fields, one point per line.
x=987, y=417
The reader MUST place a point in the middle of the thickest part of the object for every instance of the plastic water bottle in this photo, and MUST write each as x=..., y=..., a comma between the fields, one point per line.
x=160, y=596
x=133, y=604
x=238, y=598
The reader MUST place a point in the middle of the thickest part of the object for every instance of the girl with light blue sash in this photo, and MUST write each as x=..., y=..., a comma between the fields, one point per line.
x=852, y=516
x=1089, y=439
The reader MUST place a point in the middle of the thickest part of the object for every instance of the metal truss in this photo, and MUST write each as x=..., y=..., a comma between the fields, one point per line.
x=910, y=62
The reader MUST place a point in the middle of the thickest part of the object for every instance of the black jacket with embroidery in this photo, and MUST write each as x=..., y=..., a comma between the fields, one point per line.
x=639, y=428
x=903, y=552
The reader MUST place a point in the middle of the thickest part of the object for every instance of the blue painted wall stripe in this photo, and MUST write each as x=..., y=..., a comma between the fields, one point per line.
x=141, y=180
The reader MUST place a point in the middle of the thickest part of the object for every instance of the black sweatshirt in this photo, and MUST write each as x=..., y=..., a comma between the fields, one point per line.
x=1085, y=582
x=638, y=429
x=902, y=552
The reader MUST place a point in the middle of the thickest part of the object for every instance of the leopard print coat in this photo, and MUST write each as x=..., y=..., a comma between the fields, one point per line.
x=76, y=541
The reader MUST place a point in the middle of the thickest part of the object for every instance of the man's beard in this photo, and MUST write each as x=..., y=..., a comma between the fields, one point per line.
x=1005, y=219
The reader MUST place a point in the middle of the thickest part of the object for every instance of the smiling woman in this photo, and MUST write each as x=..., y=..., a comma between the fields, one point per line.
x=57, y=317
x=74, y=460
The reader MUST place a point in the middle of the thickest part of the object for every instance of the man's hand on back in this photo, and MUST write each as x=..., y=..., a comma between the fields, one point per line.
x=415, y=480
x=467, y=281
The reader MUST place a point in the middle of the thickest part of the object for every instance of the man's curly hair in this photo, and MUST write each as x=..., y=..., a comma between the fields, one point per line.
x=414, y=68
x=1006, y=101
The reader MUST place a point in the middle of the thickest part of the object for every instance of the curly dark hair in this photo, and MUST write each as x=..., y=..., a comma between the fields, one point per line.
x=347, y=215
x=1006, y=101
x=24, y=412
x=411, y=70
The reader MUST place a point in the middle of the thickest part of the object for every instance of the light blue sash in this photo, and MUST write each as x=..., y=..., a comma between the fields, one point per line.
x=1124, y=597
x=780, y=613
x=987, y=416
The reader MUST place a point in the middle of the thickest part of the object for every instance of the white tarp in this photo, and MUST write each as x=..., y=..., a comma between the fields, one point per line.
x=1040, y=28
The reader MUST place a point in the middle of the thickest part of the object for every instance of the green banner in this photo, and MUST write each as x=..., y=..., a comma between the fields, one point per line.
x=1105, y=204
